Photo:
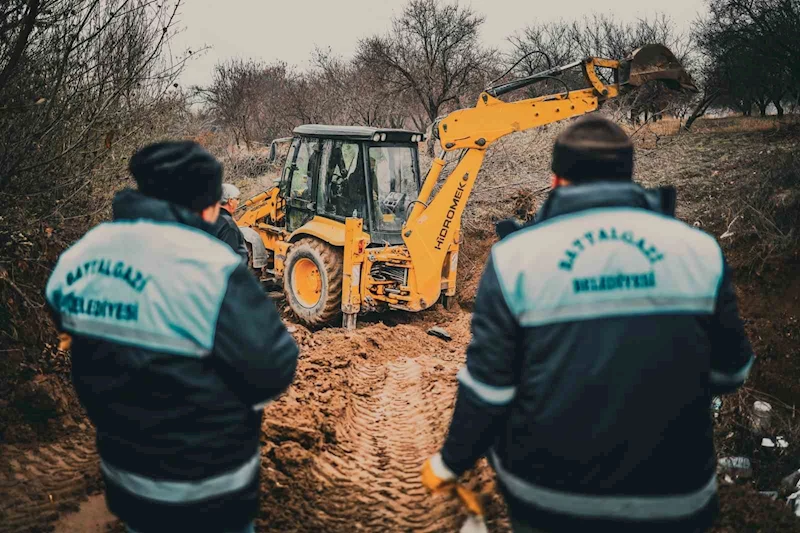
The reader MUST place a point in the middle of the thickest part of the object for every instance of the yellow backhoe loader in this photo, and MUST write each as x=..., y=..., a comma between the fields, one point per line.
x=352, y=227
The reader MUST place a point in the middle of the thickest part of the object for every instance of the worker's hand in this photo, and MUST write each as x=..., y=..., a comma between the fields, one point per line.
x=64, y=342
x=436, y=476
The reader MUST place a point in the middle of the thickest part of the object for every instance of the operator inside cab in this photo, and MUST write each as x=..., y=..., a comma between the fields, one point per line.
x=599, y=336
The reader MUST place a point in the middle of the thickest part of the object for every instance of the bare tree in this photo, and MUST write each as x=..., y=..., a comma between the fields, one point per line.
x=749, y=48
x=17, y=24
x=358, y=92
x=543, y=45
x=255, y=101
x=68, y=86
x=433, y=53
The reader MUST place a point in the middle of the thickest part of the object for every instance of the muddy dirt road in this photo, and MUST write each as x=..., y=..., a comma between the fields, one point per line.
x=370, y=407
x=342, y=449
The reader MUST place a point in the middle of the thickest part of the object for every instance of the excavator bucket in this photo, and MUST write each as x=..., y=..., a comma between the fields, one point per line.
x=655, y=62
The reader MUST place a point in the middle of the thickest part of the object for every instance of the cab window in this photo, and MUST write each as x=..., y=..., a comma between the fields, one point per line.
x=342, y=190
x=303, y=170
x=394, y=184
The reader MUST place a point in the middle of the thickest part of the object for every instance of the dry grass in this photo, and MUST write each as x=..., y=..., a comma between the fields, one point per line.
x=744, y=124
x=650, y=134
x=665, y=127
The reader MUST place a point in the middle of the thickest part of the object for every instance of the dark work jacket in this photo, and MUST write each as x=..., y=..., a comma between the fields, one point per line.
x=600, y=334
x=228, y=232
x=175, y=351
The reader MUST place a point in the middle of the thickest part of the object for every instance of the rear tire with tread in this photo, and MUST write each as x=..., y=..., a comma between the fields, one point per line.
x=328, y=261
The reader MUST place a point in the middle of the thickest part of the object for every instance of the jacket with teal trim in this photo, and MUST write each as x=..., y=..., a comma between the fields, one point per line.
x=175, y=350
x=600, y=334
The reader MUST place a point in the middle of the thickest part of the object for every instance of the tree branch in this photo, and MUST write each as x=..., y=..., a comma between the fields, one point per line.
x=22, y=41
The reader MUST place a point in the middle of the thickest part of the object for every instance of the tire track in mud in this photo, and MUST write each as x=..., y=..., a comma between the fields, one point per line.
x=38, y=485
x=391, y=424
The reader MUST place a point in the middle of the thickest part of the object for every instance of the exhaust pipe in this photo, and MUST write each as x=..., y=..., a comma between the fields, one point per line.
x=654, y=62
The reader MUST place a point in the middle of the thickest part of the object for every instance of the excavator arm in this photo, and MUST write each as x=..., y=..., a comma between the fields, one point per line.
x=434, y=224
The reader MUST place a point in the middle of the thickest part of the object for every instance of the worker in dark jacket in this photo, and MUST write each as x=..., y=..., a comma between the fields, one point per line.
x=225, y=228
x=175, y=349
x=600, y=335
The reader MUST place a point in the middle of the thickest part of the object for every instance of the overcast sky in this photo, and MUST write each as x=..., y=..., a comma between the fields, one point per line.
x=288, y=30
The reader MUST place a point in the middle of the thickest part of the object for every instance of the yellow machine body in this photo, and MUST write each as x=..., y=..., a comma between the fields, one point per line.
x=428, y=254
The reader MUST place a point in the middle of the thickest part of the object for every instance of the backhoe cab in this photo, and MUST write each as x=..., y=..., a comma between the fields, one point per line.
x=352, y=227
x=333, y=174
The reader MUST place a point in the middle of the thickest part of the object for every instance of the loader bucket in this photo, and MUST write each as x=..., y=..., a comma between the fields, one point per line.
x=655, y=62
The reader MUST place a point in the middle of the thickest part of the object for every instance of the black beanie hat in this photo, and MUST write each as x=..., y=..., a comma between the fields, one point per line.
x=593, y=149
x=180, y=172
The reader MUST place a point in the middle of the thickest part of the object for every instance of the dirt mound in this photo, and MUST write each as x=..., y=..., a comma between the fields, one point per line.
x=479, y=235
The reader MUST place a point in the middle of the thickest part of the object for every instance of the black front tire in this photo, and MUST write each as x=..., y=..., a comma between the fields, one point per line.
x=328, y=261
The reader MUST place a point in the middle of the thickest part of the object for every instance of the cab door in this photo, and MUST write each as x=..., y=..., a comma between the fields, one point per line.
x=300, y=183
x=342, y=189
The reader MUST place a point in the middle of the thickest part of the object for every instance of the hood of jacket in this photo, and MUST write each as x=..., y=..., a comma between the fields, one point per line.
x=566, y=200
x=131, y=205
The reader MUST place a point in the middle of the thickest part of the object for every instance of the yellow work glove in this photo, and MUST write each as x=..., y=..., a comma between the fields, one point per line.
x=470, y=500
x=436, y=476
x=439, y=479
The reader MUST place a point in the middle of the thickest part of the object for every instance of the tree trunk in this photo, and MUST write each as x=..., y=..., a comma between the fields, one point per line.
x=433, y=112
x=22, y=41
x=762, y=108
x=778, y=108
x=701, y=108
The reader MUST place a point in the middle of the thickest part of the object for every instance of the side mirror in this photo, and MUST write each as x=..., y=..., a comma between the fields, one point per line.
x=273, y=152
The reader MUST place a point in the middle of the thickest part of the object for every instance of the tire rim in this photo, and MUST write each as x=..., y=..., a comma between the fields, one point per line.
x=307, y=282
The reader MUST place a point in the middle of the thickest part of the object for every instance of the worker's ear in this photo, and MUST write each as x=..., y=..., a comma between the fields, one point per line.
x=211, y=213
